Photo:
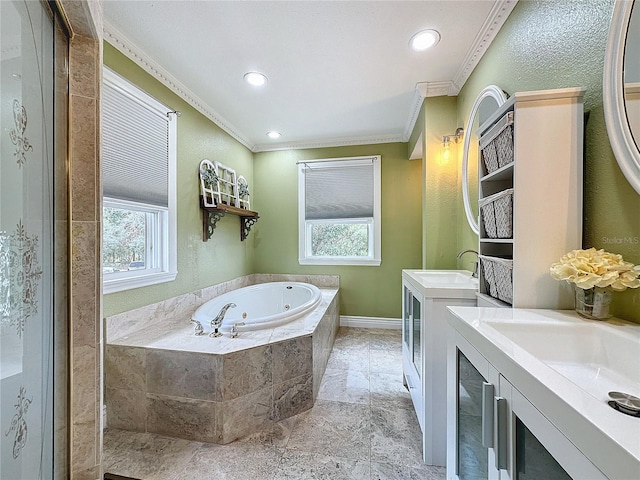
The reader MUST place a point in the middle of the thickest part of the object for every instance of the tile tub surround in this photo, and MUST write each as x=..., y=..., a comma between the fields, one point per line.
x=362, y=427
x=183, y=306
x=163, y=379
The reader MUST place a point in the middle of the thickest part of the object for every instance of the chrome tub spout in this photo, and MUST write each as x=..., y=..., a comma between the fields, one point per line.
x=217, y=321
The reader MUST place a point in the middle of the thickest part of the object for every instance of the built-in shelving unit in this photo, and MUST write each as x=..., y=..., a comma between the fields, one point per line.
x=546, y=177
x=211, y=216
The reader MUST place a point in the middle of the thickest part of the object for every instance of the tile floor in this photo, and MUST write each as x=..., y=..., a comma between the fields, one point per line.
x=361, y=427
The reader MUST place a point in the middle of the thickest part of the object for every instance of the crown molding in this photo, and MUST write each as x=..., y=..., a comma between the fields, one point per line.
x=496, y=18
x=422, y=91
x=435, y=89
x=137, y=55
x=331, y=142
x=419, y=94
x=492, y=25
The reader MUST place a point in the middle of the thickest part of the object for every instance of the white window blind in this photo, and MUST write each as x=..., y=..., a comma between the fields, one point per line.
x=333, y=192
x=339, y=205
x=135, y=144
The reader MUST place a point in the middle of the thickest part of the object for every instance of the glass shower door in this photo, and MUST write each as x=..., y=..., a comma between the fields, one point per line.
x=27, y=320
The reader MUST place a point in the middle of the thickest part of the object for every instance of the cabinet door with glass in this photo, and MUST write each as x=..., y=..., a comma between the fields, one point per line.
x=537, y=448
x=495, y=432
x=412, y=312
x=472, y=384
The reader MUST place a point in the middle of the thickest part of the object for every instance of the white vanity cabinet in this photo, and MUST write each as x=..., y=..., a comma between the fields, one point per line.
x=496, y=433
x=540, y=170
x=425, y=297
x=529, y=395
x=412, y=346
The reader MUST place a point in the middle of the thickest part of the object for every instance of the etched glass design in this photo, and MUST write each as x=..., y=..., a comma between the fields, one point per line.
x=20, y=275
x=26, y=240
x=17, y=134
x=19, y=423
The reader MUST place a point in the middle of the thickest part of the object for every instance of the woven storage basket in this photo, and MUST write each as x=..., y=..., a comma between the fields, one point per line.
x=497, y=214
x=497, y=273
x=496, y=144
x=490, y=157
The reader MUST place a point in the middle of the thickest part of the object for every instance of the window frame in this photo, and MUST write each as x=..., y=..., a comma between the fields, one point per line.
x=161, y=222
x=374, y=224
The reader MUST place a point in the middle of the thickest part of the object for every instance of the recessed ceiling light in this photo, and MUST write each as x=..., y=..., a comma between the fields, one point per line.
x=424, y=39
x=273, y=134
x=256, y=79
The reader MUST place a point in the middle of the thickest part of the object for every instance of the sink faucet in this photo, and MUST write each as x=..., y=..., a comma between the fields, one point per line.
x=475, y=264
x=217, y=321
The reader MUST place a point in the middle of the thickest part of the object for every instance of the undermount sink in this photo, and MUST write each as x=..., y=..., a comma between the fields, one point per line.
x=443, y=283
x=598, y=357
x=445, y=276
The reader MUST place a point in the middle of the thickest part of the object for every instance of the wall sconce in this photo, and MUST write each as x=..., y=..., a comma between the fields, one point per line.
x=446, y=142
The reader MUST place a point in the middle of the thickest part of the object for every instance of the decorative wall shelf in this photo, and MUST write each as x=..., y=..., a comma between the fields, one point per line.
x=211, y=216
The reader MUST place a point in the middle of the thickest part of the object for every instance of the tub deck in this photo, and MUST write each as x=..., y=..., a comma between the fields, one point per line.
x=163, y=379
x=177, y=333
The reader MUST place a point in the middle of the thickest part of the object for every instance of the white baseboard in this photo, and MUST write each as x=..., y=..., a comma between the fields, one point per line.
x=371, y=322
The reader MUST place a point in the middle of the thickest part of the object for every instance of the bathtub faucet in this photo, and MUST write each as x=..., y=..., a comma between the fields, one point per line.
x=198, y=327
x=217, y=321
x=234, y=329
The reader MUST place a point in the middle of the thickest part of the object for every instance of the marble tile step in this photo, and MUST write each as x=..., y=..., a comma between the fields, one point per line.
x=314, y=466
x=387, y=471
x=235, y=461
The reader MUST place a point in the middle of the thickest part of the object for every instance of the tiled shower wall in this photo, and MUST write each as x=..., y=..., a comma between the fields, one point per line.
x=85, y=330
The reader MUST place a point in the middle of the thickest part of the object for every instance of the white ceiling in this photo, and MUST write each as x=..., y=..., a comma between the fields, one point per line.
x=340, y=72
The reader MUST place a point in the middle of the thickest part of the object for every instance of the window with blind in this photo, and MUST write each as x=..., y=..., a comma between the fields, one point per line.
x=138, y=178
x=339, y=211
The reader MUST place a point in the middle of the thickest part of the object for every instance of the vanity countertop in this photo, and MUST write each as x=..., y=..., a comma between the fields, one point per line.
x=442, y=283
x=565, y=366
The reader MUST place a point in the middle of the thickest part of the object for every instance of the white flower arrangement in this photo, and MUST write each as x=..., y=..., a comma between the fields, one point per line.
x=596, y=268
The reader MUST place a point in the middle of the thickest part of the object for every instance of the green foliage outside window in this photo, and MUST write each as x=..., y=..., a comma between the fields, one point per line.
x=340, y=240
x=123, y=238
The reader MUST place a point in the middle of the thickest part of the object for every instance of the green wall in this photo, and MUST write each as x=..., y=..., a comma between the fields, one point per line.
x=365, y=290
x=200, y=264
x=441, y=189
x=542, y=45
x=557, y=44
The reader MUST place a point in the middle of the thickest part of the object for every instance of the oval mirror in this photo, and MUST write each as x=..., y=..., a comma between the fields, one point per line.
x=621, y=89
x=488, y=101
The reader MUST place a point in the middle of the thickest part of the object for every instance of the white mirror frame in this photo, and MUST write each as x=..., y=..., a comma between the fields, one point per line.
x=620, y=135
x=499, y=96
